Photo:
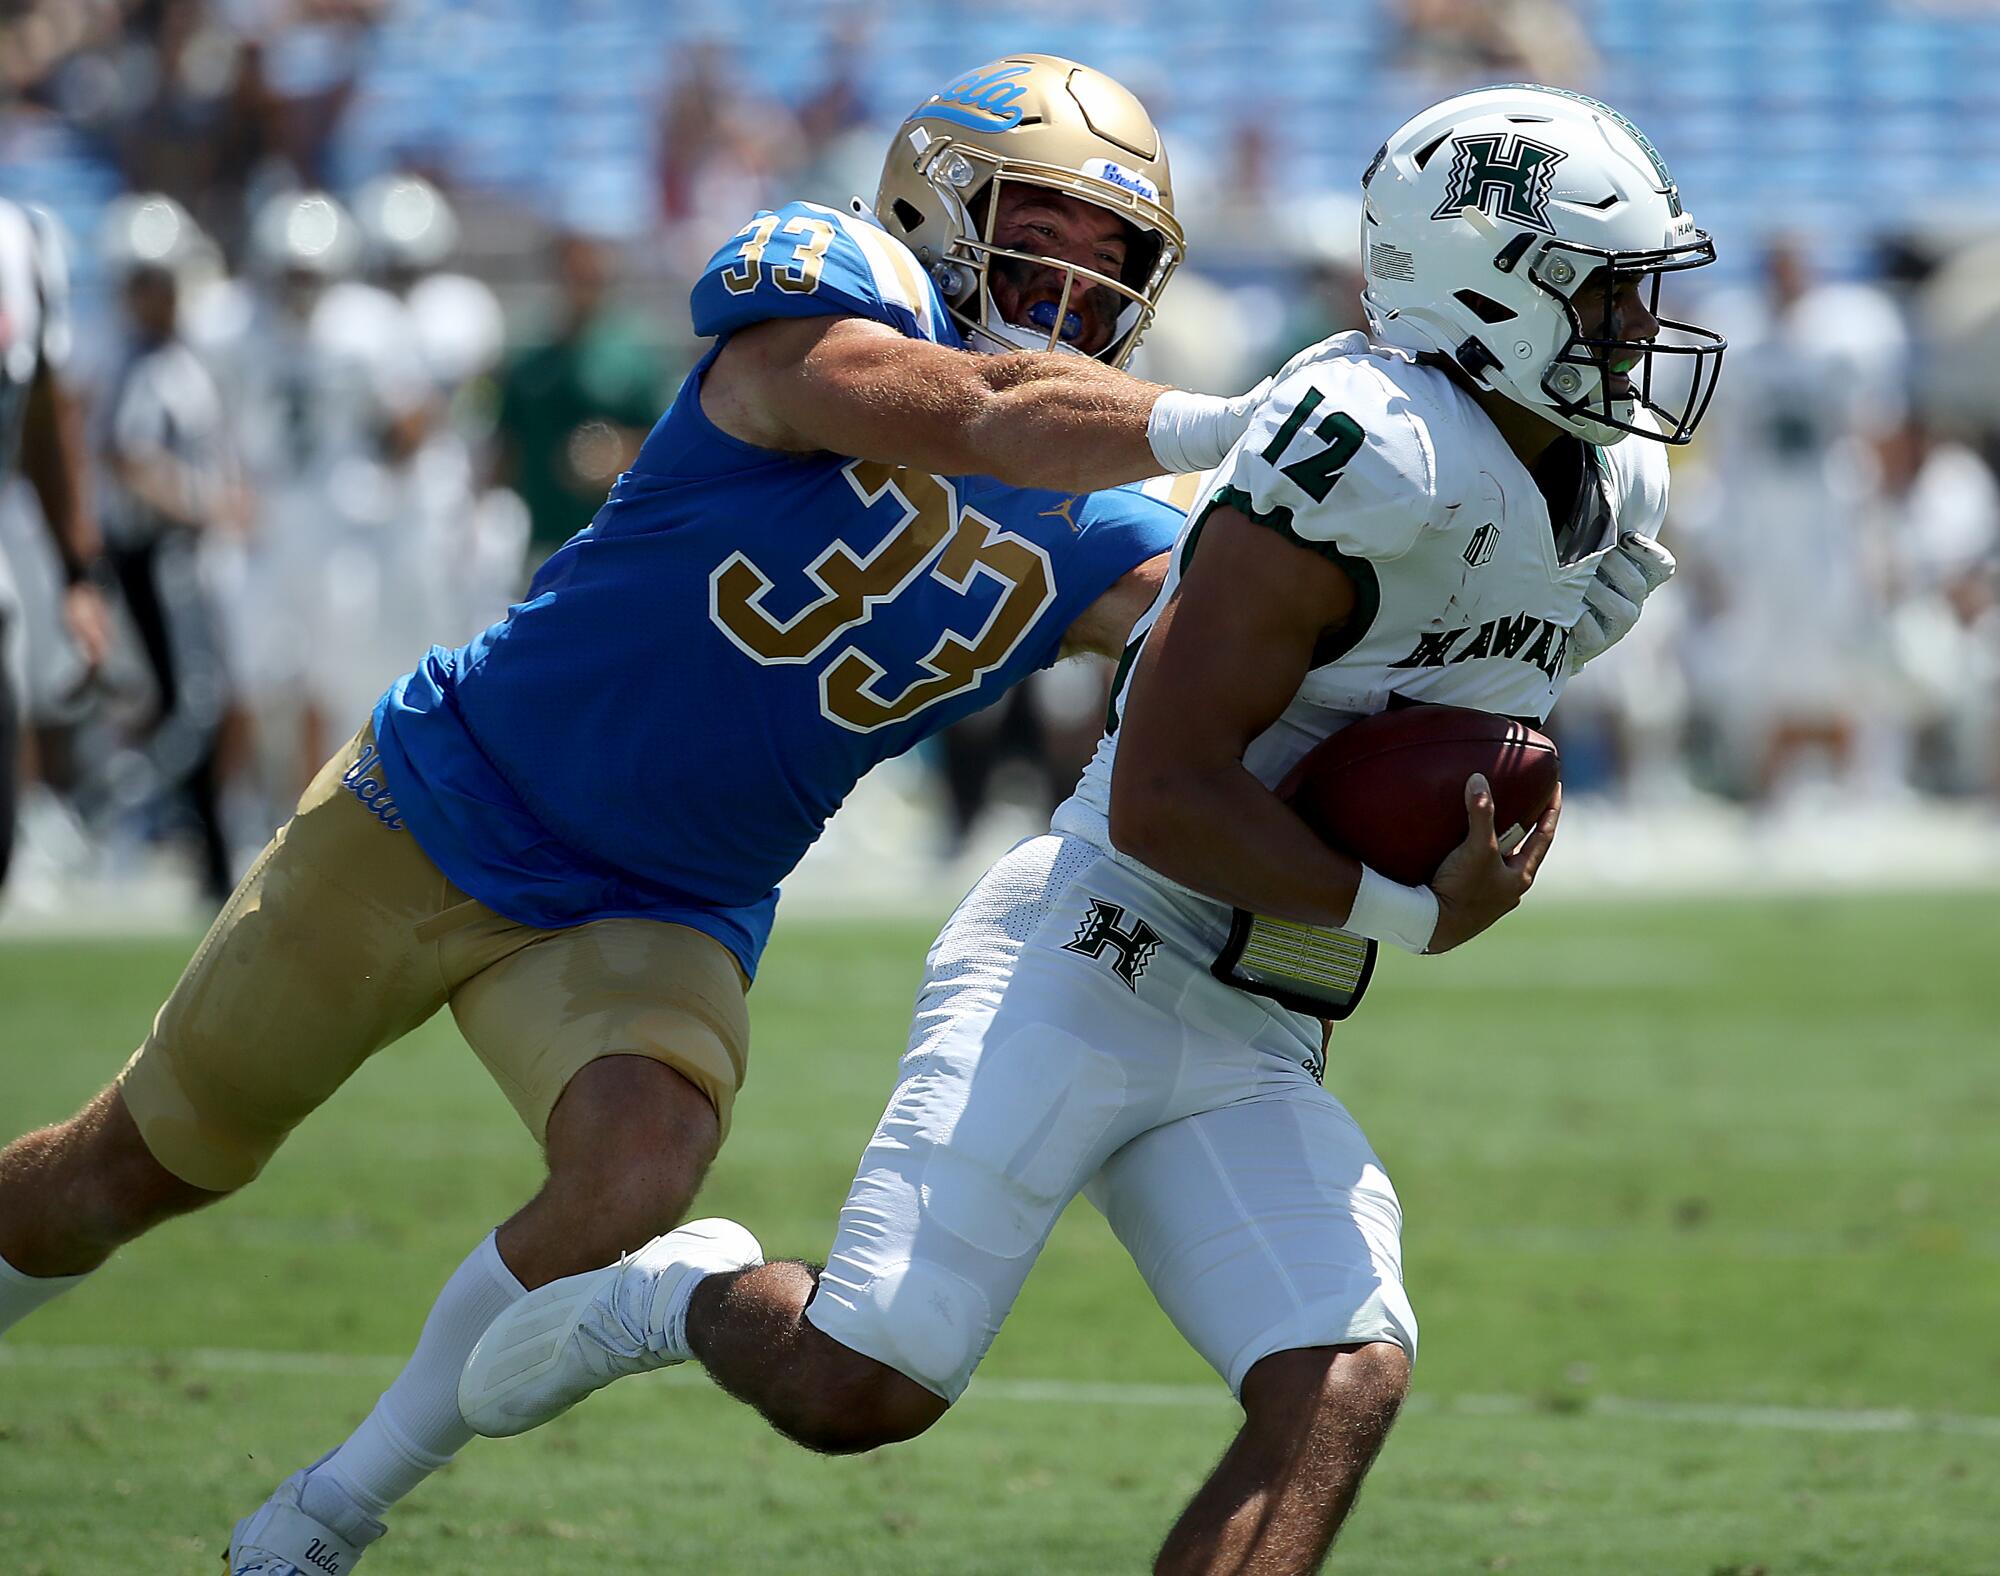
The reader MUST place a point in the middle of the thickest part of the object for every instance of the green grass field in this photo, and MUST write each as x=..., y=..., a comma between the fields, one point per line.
x=1703, y=1226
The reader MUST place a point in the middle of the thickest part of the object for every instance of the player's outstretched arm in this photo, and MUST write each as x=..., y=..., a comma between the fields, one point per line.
x=849, y=385
x=1219, y=666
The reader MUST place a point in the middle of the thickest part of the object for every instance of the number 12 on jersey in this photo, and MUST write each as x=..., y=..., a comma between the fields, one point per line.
x=1316, y=474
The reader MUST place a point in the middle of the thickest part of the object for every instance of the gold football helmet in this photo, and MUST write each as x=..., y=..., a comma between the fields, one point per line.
x=1048, y=122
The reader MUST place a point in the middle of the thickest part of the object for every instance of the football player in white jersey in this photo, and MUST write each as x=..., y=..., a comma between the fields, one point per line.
x=41, y=433
x=399, y=571
x=310, y=414
x=1459, y=510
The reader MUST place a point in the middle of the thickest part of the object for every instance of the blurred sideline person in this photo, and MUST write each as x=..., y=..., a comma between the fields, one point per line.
x=1818, y=373
x=170, y=482
x=890, y=491
x=575, y=405
x=433, y=570
x=311, y=416
x=1459, y=511
x=41, y=438
x=1938, y=509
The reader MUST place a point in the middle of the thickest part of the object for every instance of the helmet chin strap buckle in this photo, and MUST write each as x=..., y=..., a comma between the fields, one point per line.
x=1476, y=359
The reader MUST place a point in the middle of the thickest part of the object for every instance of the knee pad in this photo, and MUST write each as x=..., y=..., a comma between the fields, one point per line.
x=925, y=1322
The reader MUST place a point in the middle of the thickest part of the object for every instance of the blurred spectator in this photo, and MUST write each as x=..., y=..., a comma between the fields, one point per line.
x=452, y=560
x=838, y=103
x=184, y=134
x=576, y=404
x=38, y=36
x=1327, y=243
x=722, y=153
x=1456, y=42
x=839, y=143
x=312, y=413
x=1239, y=216
x=301, y=59
x=1940, y=508
x=1792, y=662
x=169, y=479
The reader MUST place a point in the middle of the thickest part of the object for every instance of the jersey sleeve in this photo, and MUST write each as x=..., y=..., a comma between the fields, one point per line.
x=1638, y=486
x=804, y=260
x=1122, y=527
x=1338, y=459
x=1118, y=529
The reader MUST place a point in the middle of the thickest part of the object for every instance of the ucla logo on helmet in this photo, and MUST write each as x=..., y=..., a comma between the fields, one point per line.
x=982, y=100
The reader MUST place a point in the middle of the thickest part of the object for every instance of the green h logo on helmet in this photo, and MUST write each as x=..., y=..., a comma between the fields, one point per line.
x=1506, y=175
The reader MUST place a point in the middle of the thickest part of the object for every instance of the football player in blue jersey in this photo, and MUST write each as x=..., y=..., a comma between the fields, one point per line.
x=849, y=531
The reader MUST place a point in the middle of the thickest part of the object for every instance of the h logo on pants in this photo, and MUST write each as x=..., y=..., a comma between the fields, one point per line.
x=1101, y=932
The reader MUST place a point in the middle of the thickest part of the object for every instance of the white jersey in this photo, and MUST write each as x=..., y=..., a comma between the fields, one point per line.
x=1464, y=597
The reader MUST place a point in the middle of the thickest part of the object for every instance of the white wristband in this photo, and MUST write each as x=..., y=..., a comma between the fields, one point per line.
x=1386, y=910
x=1192, y=432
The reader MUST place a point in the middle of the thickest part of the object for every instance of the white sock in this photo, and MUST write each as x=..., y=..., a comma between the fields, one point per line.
x=21, y=1295
x=415, y=1427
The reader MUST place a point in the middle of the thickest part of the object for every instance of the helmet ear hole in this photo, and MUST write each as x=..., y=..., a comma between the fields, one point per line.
x=1484, y=307
x=907, y=214
x=1141, y=255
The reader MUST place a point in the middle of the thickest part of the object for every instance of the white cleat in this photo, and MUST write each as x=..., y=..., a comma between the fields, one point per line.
x=278, y=1538
x=575, y=1335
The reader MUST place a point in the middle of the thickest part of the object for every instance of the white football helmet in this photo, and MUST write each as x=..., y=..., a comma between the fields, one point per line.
x=148, y=230
x=304, y=234
x=1486, y=215
x=407, y=227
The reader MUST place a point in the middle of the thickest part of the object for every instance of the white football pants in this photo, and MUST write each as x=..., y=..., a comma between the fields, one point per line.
x=1069, y=1036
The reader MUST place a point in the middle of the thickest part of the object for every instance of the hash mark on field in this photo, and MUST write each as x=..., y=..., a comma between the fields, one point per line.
x=1076, y=1392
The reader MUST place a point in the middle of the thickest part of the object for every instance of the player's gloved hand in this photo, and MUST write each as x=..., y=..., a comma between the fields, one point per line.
x=1193, y=432
x=1628, y=574
x=1477, y=884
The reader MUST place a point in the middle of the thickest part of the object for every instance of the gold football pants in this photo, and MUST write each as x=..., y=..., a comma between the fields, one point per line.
x=344, y=936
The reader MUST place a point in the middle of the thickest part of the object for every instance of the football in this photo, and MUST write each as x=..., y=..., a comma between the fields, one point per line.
x=1390, y=789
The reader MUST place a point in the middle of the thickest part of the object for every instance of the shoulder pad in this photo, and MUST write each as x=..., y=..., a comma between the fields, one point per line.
x=804, y=260
x=1340, y=455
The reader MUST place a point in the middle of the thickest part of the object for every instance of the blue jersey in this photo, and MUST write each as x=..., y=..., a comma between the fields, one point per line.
x=698, y=678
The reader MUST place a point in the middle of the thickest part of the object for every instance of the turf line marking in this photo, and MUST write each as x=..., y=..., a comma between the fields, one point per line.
x=1075, y=1392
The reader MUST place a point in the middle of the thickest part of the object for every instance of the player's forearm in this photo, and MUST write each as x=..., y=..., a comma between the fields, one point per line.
x=52, y=460
x=165, y=485
x=1061, y=422
x=1225, y=835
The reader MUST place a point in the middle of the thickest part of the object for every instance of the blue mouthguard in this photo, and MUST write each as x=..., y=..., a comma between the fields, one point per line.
x=1043, y=315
